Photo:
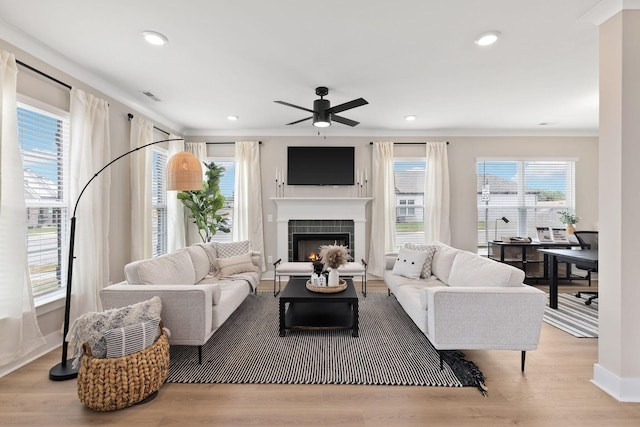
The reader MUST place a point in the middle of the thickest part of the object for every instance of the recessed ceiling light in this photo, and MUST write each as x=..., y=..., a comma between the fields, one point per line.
x=232, y=118
x=155, y=38
x=410, y=118
x=488, y=38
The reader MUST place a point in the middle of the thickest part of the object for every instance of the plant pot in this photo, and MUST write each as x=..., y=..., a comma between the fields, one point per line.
x=570, y=228
x=334, y=277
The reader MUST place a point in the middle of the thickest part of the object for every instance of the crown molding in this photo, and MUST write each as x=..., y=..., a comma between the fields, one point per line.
x=607, y=9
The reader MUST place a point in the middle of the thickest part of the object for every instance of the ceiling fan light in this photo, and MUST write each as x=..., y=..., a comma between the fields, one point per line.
x=321, y=119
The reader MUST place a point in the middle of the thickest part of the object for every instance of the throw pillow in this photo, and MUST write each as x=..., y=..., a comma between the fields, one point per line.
x=235, y=264
x=430, y=250
x=210, y=249
x=409, y=263
x=132, y=338
x=229, y=249
x=90, y=327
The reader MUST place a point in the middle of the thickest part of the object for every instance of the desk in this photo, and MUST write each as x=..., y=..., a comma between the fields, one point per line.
x=583, y=257
x=525, y=256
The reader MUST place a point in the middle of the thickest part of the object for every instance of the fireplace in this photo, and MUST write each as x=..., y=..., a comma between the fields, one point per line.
x=303, y=244
x=333, y=209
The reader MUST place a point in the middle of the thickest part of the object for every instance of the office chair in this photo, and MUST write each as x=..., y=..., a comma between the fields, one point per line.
x=587, y=240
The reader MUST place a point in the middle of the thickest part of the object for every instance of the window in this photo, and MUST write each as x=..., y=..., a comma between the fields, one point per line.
x=227, y=185
x=43, y=138
x=158, y=202
x=409, y=177
x=529, y=193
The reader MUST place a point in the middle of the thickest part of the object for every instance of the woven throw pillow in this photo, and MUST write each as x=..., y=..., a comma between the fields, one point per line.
x=430, y=250
x=235, y=264
x=229, y=249
x=132, y=338
x=409, y=263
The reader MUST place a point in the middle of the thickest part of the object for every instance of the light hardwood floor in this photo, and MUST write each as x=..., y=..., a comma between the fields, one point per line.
x=555, y=390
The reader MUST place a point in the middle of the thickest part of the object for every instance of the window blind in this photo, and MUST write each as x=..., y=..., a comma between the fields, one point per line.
x=159, y=203
x=43, y=139
x=529, y=193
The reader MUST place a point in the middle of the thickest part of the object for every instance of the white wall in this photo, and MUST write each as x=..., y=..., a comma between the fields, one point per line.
x=462, y=151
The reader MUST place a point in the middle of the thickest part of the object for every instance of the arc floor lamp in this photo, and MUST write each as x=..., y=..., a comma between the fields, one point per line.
x=184, y=172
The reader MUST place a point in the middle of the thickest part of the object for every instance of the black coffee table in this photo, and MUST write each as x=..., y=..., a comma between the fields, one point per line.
x=301, y=308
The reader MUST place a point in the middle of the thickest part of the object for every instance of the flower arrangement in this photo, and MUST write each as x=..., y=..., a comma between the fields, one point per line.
x=567, y=218
x=333, y=256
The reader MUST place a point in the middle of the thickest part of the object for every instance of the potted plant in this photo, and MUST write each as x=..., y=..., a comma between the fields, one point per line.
x=569, y=220
x=204, y=204
x=333, y=256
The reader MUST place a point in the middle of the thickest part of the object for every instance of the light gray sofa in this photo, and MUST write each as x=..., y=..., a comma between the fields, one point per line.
x=469, y=302
x=199, y=288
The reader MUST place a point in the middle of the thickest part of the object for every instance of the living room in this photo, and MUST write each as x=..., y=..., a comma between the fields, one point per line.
x=464, y=149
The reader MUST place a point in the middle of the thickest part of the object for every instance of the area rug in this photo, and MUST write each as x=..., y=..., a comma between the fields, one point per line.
x=574, y=316
x=390, y=350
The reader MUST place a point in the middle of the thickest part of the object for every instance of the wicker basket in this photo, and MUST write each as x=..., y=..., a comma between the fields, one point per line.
x=118, y=382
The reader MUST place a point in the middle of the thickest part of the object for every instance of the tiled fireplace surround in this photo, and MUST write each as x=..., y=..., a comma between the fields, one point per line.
x=320, y=215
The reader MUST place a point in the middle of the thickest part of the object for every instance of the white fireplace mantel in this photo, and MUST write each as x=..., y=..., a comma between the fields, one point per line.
x=321, y=208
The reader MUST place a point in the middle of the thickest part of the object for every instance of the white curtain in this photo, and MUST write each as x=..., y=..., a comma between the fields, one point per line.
x=141, y=164
x=247, y=209
x=198, y=149
x=176, y=224
x=436, y=194
x=383, y=207
x=89, y=152
x=19, y=332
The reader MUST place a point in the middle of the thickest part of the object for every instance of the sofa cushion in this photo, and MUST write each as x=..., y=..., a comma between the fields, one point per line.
x=131, y=338
x=409, y=263
x=473, y=270
x=235, y=264
x=229, y=249
x=442, y=261
x=430, y=250
x=200, y=260
x=170, y=269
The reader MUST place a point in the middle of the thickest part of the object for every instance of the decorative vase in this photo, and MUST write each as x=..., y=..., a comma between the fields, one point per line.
x=334, y=277
x=571, y=228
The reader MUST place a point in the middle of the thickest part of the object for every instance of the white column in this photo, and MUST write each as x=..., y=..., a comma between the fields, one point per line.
x=618, y=368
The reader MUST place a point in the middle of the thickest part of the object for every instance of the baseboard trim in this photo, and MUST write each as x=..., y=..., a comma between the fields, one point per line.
x=622, y=389
x=52, y=341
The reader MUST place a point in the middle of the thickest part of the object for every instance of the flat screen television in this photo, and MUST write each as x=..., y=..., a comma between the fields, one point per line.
x=320, y=165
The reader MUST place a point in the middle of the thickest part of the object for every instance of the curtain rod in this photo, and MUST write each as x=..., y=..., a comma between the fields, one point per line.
x=408, y=143
x=35, y=70
x=130, y=116
x=225, y=143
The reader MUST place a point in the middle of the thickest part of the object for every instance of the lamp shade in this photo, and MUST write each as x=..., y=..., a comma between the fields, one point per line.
x=184, y=172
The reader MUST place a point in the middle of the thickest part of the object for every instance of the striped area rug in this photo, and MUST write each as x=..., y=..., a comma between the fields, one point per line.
x=390, y=350
x=574, y=316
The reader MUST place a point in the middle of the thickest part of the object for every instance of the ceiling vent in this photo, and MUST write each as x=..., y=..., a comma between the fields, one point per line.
x=150, y=95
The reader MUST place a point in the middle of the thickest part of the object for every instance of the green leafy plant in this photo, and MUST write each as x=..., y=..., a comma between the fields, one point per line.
x=567, y=218
x=204, y=204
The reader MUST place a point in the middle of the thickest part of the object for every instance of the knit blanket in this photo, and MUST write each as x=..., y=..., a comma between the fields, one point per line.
x=91, y=327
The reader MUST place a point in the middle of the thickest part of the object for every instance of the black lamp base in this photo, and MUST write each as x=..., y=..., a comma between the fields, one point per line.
x=63, y=373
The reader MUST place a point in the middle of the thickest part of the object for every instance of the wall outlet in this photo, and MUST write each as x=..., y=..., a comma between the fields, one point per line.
x=270, y=259
x=269, y=218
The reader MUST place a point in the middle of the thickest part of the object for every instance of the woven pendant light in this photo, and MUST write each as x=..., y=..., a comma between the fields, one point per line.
x=184, y=172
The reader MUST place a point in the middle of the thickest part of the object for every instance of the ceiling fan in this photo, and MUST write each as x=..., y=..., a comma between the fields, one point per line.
x=323, y=113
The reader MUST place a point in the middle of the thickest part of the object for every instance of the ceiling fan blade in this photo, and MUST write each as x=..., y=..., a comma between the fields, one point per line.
x=298, y=121
x=294, y=106
x=348, y=105
x=344, y=121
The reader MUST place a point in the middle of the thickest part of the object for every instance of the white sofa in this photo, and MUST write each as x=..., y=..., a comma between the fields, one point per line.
x=468, y=301
x=200, y=287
